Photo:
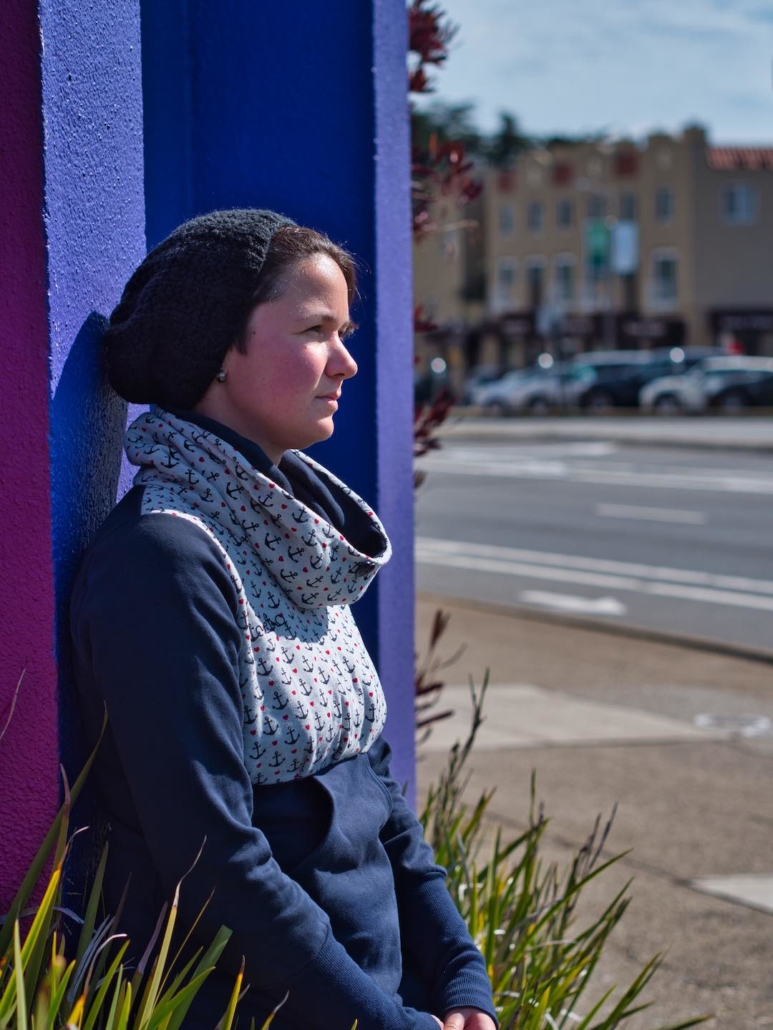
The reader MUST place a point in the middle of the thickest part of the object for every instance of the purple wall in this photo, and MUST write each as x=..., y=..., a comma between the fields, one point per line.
x=29, y=756
x=73, y=232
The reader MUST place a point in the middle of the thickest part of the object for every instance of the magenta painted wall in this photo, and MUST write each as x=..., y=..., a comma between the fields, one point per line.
x=73, y=230
x=29, y=755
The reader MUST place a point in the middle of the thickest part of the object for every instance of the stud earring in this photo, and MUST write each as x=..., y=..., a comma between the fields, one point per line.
x=221, y=375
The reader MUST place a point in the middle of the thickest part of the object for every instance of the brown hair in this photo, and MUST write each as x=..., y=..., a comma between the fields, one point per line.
x=289, y=245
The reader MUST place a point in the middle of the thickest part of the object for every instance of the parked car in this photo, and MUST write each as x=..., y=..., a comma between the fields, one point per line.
x=479, y=375
x=616, y=378
x=732, y=383
x=525, y=389
x=613, y=379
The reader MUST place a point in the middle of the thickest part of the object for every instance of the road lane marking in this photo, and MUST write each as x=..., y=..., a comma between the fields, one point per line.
x=602, y=565
x=752, y=890
x=633, y=511
x=743, y=725
x=642, y=579
x=573, y=603
x=532, y=468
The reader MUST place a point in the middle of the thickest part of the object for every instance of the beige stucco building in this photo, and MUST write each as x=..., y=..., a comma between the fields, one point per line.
x=449, y=286
x=623, y=244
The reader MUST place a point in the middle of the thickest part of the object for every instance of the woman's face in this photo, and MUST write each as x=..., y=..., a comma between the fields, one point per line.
x=283, y=391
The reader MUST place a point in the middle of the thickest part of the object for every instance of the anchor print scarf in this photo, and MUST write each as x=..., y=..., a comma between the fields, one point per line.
x=310, y=693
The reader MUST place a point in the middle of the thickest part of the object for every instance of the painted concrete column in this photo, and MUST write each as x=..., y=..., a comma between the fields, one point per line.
x=302, y=108
x=72, y=231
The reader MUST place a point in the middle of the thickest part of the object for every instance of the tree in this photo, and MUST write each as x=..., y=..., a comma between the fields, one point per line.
x=507, y=142
x=440, y=164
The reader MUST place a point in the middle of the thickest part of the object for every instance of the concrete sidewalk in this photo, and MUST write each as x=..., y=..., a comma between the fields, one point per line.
x=752, y=433
x=681, y=740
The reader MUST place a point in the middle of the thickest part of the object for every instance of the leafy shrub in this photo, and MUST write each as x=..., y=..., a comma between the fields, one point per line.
x=522, y=913
x=43, y=989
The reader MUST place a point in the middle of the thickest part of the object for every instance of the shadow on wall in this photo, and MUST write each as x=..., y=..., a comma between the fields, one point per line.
x=87, y=426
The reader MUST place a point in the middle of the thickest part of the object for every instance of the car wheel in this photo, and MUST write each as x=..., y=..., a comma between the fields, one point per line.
x=668, y=404
x=495, y=408
x=733, y=400
x=599, y=400
x=539, y=406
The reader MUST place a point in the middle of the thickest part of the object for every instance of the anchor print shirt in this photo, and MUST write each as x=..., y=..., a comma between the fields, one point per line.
x=317, y=863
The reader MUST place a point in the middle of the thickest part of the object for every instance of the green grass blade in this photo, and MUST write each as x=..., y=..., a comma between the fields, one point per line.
x=207, y=960
x=36, y=942
x=117, y=990
x=273, y=1012
x=22, y=1021
x=96, y=1004
x=177, y=1004
x=90, y=918
x=58, y=827
x=227, y=1021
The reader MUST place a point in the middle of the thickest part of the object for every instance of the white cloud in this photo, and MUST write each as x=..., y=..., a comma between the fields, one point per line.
x=571, y=67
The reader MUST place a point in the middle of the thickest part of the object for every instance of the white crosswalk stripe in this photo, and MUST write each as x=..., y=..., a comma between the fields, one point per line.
x=556, y=465
x=687, y=584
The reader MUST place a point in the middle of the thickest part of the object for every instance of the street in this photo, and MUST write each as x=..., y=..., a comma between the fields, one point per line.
x=670, y=539
x=537, y=546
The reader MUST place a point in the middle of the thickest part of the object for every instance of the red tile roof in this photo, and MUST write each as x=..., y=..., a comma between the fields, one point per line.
x=748, y=159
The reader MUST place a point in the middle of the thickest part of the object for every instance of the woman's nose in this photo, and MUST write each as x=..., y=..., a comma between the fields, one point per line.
x=341, y=362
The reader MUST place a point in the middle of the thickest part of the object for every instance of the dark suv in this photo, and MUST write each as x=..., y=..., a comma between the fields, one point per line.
x=613, y=379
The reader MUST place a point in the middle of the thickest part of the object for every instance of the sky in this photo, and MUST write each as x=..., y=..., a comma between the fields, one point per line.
x=622, y=66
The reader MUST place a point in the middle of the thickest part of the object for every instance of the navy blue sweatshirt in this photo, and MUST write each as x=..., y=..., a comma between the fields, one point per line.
x=326, y=882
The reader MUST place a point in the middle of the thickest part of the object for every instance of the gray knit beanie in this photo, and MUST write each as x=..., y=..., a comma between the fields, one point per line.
x=184, y=306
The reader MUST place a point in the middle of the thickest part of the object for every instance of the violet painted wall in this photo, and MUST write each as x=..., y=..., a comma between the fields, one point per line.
x=303, y=108
x=74, y=232
x=29, y=751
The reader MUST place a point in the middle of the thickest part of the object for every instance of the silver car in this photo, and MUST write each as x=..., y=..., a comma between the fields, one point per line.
x=707, y=384
x=538, y=389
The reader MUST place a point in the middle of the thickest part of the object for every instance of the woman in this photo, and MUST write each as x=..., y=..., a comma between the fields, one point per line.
x=211, y=617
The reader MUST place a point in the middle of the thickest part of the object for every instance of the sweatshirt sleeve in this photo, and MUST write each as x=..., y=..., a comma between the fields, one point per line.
x=155, y=613
x=435, y=937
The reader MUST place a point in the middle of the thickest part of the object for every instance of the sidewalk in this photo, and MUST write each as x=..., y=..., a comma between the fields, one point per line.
x=681, y=740
x=753, y=433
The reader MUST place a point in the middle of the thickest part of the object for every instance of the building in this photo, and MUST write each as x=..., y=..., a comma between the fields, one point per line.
x=619, y=244
x=449, y=286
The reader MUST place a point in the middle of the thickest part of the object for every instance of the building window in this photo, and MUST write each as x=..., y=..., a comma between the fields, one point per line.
x=626, y=163
x=664, y=204
x=563, y=173
x=564, y=214
x=536, y=216
x=628, y=207
x=564, y=279
x=535, y=279
x=506, y=219
x=506, y=271
x=739, y=204
x=596, y=206
x=664, y=277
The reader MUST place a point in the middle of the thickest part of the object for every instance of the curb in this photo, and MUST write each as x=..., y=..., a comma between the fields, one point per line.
x=685, y=640
x=460, y=426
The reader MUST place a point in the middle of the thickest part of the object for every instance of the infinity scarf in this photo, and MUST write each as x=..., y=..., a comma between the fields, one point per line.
x=310, y=693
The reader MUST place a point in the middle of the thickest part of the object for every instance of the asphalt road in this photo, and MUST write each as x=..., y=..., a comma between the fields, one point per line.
x=665, y=538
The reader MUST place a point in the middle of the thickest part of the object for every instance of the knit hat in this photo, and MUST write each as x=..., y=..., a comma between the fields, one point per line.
x=184, y=306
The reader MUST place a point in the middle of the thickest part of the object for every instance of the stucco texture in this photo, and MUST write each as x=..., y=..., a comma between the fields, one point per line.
x=75, y=231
